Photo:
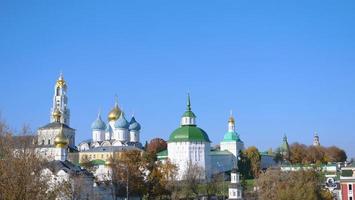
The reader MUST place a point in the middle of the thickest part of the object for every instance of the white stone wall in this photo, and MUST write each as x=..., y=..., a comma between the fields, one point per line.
x=182, y=153
x=98, y=135
x=232, y=146
x=46, y=136
x=134, y=136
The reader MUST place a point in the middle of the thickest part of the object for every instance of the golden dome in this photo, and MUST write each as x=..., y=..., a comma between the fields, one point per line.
x=114, y=114
x=56, y=115
x=60, y=140
x=60, y=82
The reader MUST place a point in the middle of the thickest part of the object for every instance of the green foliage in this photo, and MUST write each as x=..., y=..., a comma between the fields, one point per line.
x=249, y=163
x=296, y=185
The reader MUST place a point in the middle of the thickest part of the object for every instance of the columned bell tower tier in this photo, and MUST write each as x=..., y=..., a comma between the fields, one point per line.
x=60, y=101
x=59, y=123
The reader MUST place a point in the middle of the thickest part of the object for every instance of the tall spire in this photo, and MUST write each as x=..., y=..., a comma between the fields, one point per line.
x=188, y=102
x=116, y=100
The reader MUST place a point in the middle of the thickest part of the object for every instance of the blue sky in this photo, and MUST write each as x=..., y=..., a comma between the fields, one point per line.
x=281, y=66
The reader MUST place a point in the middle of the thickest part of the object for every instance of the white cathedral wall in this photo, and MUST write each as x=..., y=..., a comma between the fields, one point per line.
x=134, y=136
x=182, y=153
x=122, y=134
x=98, y=135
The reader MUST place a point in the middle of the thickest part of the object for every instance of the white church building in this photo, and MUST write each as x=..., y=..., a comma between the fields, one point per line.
x=190, y=145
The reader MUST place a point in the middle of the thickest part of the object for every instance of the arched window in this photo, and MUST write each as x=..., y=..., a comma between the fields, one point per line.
x=58, y=91
x=49, y=141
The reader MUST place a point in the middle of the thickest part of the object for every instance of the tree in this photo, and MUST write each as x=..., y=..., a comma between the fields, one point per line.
x=302, y=154
x=244, y=166
x=298, y=153
x=296, y=185
x=192, y=177
x=156, y=145
x=128, y=171
x=335, y=154
x=252, y=153
x=21, y=169
x=87, y=164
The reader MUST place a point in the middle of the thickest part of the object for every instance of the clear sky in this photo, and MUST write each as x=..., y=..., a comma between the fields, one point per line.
x=281, y=66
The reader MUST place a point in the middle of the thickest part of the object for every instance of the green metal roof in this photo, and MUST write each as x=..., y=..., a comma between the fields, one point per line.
x=190, y=133
x=231, y=136
x=162, y=155
x=98, y=162
x=216, y=153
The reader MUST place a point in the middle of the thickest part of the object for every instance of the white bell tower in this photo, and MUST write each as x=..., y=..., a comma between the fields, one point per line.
x=60, y=101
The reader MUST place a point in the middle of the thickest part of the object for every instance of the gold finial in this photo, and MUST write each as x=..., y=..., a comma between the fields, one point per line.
x=61, y=82
x=60, y=140
x=231, y=118
x=56, y=115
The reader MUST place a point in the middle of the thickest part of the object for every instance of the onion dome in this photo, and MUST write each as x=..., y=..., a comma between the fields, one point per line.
x=60, y=140
x=134, y=125
x=56, y=115
x=115, y=113
x=98, y=124
x=122, y=122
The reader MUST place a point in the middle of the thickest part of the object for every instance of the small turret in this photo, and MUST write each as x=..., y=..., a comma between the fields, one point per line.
x=188, y=118
x=134, y=129
x=98, y=129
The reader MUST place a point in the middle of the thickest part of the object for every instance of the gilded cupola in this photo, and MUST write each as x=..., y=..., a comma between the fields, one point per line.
x=61, y=140
x=61, y=82
x=56, y=115
x=115, y=113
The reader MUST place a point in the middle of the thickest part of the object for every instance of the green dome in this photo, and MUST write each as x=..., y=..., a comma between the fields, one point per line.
x=189, y=133
x=231, y=136
x=189, y=113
